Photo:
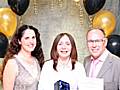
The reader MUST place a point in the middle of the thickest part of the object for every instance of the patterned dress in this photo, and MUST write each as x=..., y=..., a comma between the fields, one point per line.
x=24, y=79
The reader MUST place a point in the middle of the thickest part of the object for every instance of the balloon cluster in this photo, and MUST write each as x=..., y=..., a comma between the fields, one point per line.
x=8, y=21
x=114, y=44
x=103, y=19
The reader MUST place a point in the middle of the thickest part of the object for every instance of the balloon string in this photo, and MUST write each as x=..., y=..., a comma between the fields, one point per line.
x=52, y=5
x=60, y=2
x=81, y=15
x=20, y=20
x=91, y=21
x=80, y=12
x=35, y=7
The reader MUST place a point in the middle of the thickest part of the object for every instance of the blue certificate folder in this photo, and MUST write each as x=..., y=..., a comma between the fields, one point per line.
x=61, y=85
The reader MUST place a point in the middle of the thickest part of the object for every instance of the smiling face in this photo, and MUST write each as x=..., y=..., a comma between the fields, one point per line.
x=96, y=42
x=28, y=41
x=64, y=47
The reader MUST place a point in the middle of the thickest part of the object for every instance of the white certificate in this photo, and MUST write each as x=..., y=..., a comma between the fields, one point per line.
x=91, y=84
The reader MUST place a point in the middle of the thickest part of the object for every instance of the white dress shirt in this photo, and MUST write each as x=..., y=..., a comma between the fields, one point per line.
x=49, y=76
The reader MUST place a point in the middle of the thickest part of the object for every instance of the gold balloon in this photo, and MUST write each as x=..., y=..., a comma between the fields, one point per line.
x=1, y=28
x=105, y=20
x=8, y=21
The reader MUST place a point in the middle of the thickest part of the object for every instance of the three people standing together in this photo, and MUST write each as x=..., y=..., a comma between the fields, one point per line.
x=24, y=67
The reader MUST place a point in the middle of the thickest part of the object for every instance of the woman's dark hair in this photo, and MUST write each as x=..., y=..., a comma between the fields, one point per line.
x=54, y=54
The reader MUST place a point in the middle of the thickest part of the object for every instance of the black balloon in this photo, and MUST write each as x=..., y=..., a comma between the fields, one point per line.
x=93, y=6
x=18, y=6
x=3, y=45
x=114, y=44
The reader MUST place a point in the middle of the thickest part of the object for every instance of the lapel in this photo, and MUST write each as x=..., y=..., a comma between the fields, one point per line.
x=88, y=63
x=106, y=65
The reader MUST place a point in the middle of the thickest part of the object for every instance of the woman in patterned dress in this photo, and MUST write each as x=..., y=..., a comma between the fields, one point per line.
x=23, y=60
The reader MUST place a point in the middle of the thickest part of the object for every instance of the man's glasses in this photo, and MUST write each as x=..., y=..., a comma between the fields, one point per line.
x=95, y=41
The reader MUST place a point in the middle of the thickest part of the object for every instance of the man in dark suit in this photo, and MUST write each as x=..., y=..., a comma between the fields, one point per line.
x=101, y=63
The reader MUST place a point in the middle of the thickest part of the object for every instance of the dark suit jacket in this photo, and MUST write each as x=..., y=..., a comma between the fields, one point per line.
x=110, y=71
